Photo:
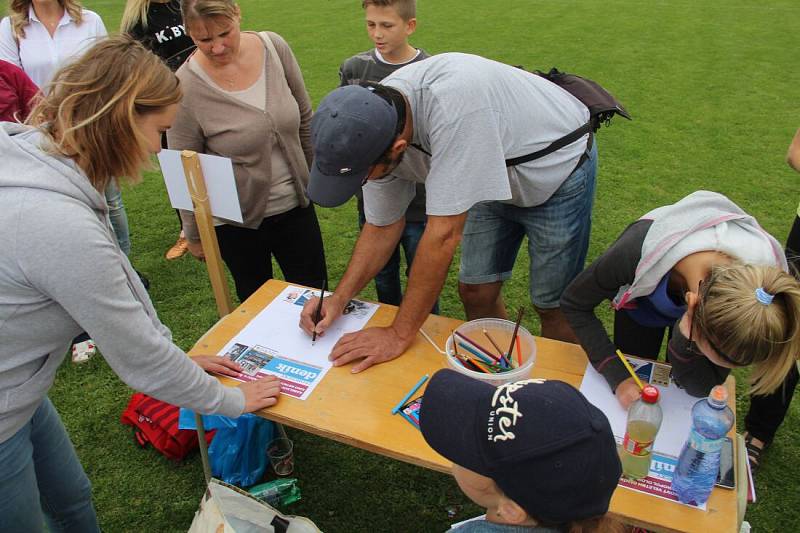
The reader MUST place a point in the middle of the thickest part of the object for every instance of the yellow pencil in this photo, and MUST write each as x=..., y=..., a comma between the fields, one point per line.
x=630, y=369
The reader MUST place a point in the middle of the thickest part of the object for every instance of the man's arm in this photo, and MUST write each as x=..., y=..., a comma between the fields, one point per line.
x=373, y=248
x=428, y=273
x=435, y=252
x=793, y=156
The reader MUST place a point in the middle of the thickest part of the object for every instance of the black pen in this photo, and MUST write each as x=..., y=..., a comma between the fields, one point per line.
x=319, y=311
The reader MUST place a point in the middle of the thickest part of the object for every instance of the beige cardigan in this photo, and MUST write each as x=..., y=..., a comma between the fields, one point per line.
x=212, y=122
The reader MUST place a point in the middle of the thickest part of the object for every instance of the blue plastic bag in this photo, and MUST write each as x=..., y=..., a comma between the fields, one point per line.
x=238, y=453
x=186, y=420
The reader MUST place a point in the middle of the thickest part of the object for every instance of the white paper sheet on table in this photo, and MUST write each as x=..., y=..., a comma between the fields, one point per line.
x=676, y=406
x=272, y=343
x=220, y=184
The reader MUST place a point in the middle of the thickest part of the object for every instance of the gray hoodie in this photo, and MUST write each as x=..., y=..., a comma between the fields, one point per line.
x=703, y=220
x=62, y=272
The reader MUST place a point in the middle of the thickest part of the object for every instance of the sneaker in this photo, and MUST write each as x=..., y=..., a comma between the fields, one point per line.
x=83, y=351
x=178, y=249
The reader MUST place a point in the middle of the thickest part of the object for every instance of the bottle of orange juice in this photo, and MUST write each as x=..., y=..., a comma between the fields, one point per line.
x=644, y=420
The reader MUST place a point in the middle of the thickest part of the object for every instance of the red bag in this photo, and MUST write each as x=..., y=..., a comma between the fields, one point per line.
x=156, y=423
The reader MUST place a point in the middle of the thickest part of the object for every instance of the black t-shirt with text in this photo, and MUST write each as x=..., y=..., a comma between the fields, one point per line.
x=165, y=34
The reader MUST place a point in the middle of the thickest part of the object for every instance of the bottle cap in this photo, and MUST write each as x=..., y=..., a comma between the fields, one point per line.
x=649, y=394
x=718, y=396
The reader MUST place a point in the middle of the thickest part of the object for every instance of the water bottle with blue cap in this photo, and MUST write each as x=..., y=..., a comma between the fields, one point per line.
x=698, y=464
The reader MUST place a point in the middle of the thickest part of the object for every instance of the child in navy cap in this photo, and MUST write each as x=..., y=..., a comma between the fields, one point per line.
x=535, y=453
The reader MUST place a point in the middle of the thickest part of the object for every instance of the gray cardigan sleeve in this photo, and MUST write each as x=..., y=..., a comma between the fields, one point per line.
x=600, y=281
x=294, y=78
x=186, y=134
x=78, y=266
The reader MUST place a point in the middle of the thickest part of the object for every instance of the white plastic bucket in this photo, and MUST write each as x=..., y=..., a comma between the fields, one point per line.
x=501, y=331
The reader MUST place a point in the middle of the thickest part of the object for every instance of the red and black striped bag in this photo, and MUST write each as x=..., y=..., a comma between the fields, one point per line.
x=156, y=423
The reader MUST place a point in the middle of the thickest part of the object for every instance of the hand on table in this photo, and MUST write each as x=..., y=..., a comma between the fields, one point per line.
x=372, y=345
x=196, y=249
x=331, y=310
x=627, y=392
x=260, y=393
x=218, y=365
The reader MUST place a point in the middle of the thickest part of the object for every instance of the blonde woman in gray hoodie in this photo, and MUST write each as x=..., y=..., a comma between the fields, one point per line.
x=706, y=270
x=62, y=272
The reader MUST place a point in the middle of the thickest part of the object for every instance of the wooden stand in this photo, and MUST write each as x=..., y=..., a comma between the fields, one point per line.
x=219, y=283
x=205, y=225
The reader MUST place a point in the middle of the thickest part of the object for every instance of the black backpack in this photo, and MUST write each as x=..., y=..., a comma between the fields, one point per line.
x=602, y=108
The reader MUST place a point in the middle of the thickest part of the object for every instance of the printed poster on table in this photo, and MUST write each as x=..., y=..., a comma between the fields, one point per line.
x=272, y=343
x=659, y=480
x=676, y=406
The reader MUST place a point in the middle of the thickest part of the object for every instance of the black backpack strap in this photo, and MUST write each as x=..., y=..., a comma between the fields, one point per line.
x=420, y=148
x=555, y=145
x=558, y=144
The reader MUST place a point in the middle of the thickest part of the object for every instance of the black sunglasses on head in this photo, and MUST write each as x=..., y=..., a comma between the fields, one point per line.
x=395, y=99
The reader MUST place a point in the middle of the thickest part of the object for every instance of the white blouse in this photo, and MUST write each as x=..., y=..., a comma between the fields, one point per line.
x=41, y=55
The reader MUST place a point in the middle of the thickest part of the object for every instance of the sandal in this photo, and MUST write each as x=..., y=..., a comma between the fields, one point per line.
x=754, y=452
x=178, y=249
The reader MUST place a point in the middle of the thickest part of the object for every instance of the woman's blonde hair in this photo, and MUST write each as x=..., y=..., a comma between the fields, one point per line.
x=751, y=315
x=18, y=13
x=134, y=13
x=203, y=9
x=91, y=111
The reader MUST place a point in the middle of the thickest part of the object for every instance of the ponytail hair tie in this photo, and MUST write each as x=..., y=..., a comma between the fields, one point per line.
x=763, y=296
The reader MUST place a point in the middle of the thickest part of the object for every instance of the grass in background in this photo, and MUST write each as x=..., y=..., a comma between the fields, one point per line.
x=713, y=108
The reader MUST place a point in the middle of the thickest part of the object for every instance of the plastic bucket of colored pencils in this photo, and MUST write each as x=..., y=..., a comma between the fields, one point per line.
x=483, y=349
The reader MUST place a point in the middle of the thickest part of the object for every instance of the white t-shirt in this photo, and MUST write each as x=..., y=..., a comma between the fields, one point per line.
x=471, y=114
x=41, y=55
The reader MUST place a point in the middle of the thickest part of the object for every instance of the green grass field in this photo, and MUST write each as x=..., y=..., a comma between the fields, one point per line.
x=715, y=106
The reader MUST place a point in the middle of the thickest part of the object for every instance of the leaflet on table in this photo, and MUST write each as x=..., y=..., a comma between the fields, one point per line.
x=272, y=343
x=659, y=480
x=676, y=406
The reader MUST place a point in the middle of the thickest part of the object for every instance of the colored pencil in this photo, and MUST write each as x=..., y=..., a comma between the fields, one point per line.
x=482, y=363
x=416, y=387
x=318, y=314
x=476, y=353
x=496, y=347
x=516, y=329
x=630, y=369
x=483, y=367
x=477, y=346
x=469, y=364
x=519, y=351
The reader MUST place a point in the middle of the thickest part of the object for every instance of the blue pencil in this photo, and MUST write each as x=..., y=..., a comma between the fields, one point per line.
x=477, y=353
x=416, y=387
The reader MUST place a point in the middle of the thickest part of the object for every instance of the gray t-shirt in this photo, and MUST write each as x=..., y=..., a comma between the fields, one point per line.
x=471, y=114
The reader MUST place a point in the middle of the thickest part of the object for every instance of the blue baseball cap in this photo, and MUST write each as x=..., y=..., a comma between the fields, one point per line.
x=544, y=445
x=352, y=127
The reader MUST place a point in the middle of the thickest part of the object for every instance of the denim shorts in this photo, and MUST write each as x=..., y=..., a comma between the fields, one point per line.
x=558, y=237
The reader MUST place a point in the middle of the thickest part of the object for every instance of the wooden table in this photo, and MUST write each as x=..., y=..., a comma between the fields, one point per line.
x=355, y=409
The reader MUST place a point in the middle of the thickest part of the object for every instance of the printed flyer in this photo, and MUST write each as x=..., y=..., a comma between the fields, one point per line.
x=659, y=481
x=272, y=343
